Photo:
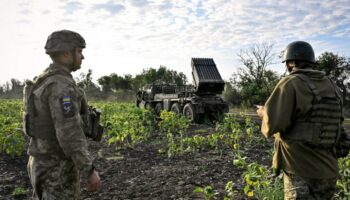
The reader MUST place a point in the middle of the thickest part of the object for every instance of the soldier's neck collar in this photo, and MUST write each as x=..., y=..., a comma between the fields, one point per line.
x=61, y=68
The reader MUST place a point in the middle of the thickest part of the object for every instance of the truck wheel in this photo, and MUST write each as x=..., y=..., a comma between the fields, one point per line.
x=189, y=112
x=158, y=108
x=176, y=108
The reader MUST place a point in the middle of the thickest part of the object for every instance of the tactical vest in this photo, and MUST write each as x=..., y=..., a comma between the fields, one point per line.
x=321, y=128
x=36, y=126
x=42, y=127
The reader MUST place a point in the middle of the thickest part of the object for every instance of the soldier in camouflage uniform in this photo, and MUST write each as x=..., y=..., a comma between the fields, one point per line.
x=53, y=107
x=304, y=114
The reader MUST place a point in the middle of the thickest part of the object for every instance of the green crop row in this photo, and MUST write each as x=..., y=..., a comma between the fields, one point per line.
x=11, y=137
x=127, y=125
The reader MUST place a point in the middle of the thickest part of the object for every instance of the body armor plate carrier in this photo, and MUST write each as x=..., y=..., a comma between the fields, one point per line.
x=32, y=125
x=35, y=127
x=322, y=126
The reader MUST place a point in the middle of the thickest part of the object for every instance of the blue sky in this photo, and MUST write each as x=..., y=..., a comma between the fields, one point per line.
x=126, y=36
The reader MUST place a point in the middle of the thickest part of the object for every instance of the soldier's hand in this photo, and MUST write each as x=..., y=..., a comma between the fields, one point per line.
x=93, y=182
x=260, y=110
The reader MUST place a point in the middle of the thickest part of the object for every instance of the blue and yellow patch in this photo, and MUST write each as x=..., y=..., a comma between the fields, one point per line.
x=66, y=99
x=67, y=106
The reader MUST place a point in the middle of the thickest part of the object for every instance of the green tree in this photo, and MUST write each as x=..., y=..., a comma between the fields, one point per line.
x=2, y=91
x=105, y=83
x=124, y=88
x=254, y=81
x=12, y=89
x=338, y=69
x=231, y=94
x=115, y=82
x=85, y=81
x=160, y=75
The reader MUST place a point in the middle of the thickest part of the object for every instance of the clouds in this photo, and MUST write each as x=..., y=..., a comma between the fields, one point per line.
x=139, y=3
x=145, y=33
x=72, y=6
x=111, y=7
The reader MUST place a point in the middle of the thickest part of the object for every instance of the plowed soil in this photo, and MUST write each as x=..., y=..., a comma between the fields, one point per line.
x=142, y=172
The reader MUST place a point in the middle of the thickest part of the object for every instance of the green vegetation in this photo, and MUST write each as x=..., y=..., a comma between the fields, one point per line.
x=260, y=181
x=19, y=191
x=254, y=82
x=251, y=84
x=128, y=125
x=343, y=184
x=207, y=191
x=11, y=136
x=174, y=127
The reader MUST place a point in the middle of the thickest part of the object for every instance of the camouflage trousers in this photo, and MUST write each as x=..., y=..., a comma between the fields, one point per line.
x=296, y=187
x=53, y=178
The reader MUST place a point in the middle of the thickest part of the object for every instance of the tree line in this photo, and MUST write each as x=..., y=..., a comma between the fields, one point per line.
x=251, y=84
x=109, y=87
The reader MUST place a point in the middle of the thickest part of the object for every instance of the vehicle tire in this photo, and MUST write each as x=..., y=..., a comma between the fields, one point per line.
x=176, y=108
x=147, y=106
x=139, y=95
x=158, y=108
x=189, y=112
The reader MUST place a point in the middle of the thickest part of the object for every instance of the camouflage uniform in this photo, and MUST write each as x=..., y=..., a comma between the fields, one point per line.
x=296, y=187
x=58, y=147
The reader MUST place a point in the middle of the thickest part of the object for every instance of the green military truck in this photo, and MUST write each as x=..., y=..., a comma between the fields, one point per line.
x=197, y=101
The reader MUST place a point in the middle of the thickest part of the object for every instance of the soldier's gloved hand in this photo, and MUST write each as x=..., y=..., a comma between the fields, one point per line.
x=93, y=182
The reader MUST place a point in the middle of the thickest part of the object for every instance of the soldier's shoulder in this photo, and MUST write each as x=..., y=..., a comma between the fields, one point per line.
x=61, y=78
x=57, y=81
x=287, y=80
x=60, y=81
x=56, y=84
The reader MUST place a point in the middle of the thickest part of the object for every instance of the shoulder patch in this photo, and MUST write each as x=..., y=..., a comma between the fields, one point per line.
x=67, y=106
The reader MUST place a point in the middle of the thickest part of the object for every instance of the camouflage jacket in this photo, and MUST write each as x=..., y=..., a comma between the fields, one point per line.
x=59, y=127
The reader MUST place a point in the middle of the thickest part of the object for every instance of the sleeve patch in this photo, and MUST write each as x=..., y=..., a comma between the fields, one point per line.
x=67, y=107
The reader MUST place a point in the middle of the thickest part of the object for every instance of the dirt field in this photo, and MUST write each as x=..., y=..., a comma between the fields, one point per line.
x=144, y=173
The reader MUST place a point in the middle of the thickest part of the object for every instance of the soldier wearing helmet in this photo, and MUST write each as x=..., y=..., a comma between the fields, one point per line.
x=66, y=41
x=304, y=114
x=54, y=108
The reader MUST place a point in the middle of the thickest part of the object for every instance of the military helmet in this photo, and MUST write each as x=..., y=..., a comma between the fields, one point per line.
x=299, y=51
x=64, y=40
